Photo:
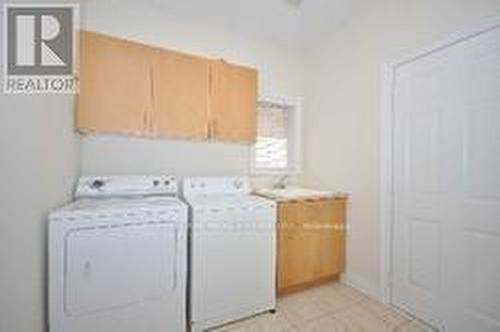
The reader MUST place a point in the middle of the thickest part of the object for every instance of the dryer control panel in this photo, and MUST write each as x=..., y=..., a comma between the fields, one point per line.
x=216, y=186
x=102, y=186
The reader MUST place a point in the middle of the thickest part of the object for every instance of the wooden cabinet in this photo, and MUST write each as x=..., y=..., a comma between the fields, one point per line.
x=233, y=104
x=296, y=257
x=180, y=95
x=129, y=88
x=311, y=242
x=115, y=85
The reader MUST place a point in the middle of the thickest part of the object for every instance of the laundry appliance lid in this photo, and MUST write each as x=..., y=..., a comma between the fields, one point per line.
x=228, y=202
x=120, y=206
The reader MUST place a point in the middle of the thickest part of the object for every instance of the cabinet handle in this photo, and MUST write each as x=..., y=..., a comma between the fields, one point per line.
x=214, y=129
x=145, y=121
x=207, y=130
x=149, y=118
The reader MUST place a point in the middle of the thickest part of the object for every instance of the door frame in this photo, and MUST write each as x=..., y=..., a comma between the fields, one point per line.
x=387, y=141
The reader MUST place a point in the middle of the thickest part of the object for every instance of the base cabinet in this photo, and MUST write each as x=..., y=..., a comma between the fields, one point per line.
x=311, y=242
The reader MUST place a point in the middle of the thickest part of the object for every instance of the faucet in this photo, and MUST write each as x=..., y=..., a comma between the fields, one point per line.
x=282, y=182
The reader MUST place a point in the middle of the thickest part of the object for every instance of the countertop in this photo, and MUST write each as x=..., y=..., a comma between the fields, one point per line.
x=298, y=193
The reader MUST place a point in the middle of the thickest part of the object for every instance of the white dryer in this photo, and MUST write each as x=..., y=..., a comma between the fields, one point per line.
x=118, y=257
x=233, y=251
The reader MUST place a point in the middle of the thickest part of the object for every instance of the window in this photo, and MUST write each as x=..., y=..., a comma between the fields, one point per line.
x=278, y=147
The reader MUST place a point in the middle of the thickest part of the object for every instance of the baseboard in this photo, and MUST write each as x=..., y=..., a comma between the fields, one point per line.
x=362, y=286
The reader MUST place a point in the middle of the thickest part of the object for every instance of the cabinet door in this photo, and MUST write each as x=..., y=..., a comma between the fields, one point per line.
x=296, y=256
x=181, y=95
x=233, y=103
x=311, y=242
x=339, y=219
x=115, y=85
x=327, y=216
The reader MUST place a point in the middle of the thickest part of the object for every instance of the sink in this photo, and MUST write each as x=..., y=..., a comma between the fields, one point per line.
x=290, y=193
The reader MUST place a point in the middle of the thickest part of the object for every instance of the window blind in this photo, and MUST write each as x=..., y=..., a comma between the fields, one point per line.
x=272, y=137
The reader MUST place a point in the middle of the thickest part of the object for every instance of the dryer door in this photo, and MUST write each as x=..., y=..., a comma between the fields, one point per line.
x=115, y=267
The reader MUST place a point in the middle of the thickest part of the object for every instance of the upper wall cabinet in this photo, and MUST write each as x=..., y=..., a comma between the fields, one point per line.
x=181, y=95
x=233, y=104
x=115, y=85
x=128, y=88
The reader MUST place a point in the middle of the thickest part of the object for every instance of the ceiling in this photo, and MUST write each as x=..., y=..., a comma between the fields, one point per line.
x=273, y=20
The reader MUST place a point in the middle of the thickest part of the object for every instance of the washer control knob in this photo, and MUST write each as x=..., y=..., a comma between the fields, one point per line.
x=97, y=184
x=238, y=184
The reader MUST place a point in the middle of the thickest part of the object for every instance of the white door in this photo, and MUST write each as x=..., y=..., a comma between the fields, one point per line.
x=446, y=233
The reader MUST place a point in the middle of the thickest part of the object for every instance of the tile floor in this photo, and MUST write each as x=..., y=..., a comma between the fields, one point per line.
x=334, y=307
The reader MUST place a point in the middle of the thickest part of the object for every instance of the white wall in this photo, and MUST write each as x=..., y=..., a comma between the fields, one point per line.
x=38, y=166
x=280, y=72
x=342, y=102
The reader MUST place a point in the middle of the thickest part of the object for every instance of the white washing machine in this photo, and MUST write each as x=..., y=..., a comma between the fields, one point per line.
x=118, y=257
x=233, y=251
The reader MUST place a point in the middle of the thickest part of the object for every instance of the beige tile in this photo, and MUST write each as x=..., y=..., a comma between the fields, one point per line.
x=300, y=308
x=324, y=324
x=334, y=307
x=413, y=326
x=342, y=289
x=391, y=315
x=261, y=323
x=351, y=292
x=331, y=299
x=331, y=287
x=360, y=319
